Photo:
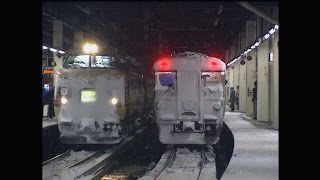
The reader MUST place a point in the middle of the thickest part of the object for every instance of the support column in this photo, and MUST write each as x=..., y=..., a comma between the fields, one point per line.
x=231, y=84
x=243, y=77
x=271, y=82
x=78, y=39
x=242, y=88
x=263, y=82
x=231, y=68
x=227, y=87
x=236, y=73
x=57, y=42
x=251, y=74
x=226, y=59
x=275, y=74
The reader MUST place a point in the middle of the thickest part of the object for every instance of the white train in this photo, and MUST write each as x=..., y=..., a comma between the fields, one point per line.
x=189, y=98
x=102, y=99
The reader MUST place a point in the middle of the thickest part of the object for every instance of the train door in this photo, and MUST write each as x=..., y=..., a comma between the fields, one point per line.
x=188, y=95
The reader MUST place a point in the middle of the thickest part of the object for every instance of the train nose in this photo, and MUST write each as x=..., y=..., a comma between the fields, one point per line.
x=87, y=125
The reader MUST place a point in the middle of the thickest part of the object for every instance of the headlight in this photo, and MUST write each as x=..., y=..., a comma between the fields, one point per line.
x=64, y=91
x=114, y=101
x=160, y=105
x=217, y=105
x=64, y=100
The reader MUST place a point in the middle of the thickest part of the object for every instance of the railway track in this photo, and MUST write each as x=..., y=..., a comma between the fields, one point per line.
x=73, y=163
x=83, y=164
x=181, y=163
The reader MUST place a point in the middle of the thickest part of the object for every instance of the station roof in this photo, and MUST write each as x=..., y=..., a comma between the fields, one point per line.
x=146, y=30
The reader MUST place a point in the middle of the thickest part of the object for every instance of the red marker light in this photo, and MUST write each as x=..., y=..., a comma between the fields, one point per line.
x=164, y=65
x=215, y=64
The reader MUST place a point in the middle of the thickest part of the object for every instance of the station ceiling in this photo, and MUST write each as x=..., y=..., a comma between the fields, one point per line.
x=147, y=30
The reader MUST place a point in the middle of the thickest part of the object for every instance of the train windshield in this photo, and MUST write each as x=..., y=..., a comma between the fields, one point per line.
x=87, y=61
x=165, y=80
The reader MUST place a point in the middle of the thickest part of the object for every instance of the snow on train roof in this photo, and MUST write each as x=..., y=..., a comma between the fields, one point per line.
x=189, y=54
x=189, y=61
x=100, y=52
x=121, y=62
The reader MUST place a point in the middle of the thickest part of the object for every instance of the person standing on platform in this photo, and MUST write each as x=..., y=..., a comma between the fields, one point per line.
x=254, y=100
x=232, y=98
x=237, y=98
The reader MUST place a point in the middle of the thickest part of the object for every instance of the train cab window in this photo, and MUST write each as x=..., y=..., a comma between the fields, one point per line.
x=101, y=62
x=166, y=82
x=166, y=79
x=76, y=61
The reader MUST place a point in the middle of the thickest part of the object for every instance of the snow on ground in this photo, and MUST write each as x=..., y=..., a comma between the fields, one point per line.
x=151, y=174
x=74, y=157
x=185, y=167
x=255, y=154
x=73, y=172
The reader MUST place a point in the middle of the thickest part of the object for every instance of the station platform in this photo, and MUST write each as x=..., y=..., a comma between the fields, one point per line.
x=255, y=154
x=46, y=122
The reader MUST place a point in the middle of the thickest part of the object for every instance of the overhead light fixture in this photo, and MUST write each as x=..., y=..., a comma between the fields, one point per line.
x=256, y=44
x=272, y=31
x=90, y=48
x=53, y=50
x=61, y=52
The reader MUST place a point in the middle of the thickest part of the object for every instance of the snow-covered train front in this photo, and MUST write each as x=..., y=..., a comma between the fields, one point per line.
x=189, y=98
x=100, y=103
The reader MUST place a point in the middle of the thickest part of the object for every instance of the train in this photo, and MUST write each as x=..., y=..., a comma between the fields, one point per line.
x=102, y=97
x=189, y=104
